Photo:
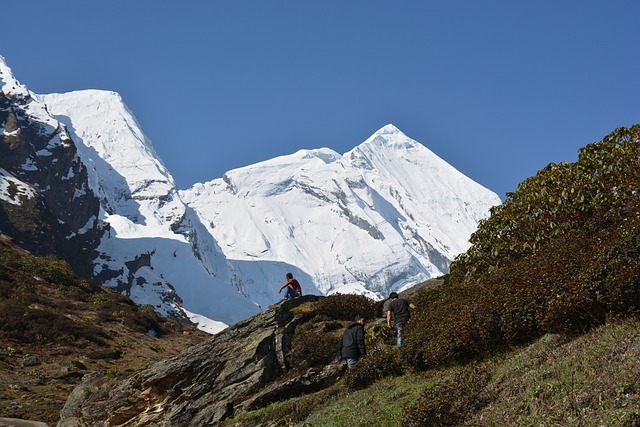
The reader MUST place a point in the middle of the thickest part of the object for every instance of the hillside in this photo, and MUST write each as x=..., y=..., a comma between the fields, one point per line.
x=593, y=380
x=56, y=328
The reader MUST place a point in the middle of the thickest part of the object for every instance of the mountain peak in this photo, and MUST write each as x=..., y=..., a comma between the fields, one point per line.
x=389, y=136
x=8, y=83
x=388, y=130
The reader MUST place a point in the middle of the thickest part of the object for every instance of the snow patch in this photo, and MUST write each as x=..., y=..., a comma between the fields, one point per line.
x=12, y=190
x=205, y=324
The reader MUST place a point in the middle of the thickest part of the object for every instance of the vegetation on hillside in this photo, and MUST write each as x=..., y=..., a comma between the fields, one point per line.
x=591, y=380
x=559, y=256
x=56, y=327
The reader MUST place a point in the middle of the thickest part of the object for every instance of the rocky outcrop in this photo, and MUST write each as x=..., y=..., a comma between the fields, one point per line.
x=239, y=369
x=48, y=207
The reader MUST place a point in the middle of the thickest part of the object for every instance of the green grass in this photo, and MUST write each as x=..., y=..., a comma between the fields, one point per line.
x=379, y=405
x=593, y=380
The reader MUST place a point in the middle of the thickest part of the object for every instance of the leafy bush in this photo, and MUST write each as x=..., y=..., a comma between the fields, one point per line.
x=560, y=255
x=450, y=401
x=33, y=325
x=109, y=298
x=555, y=202
x=314, y=344
x=345, y=307
x=375, y=366
x=48, y=268
x=143, y=320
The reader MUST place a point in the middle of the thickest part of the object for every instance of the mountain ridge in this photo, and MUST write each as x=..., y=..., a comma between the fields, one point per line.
x=359, y=222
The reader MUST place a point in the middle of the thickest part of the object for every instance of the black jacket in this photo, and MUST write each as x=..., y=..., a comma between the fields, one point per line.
x=352, y=341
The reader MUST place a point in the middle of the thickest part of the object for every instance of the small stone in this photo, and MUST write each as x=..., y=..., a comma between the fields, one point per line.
x=30, y=361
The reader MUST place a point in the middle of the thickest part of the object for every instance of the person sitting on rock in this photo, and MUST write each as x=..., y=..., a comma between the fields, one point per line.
x=293, y=288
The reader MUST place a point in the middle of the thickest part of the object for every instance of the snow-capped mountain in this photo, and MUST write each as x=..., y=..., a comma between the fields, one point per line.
x=155, y=246
x=381, y=217
x=384, y=216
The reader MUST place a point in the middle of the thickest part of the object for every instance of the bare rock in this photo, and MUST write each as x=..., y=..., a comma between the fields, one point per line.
x=14, y=422
x=205, y=384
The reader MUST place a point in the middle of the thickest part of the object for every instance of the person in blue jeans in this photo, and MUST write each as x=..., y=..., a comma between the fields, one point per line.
x=400, y=308
x=293, y=288
x=352, y=346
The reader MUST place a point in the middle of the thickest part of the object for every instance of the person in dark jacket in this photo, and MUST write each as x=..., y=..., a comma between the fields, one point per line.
x=352, y=346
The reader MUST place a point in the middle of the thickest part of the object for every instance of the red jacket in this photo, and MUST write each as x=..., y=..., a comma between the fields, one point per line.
x=295, y=285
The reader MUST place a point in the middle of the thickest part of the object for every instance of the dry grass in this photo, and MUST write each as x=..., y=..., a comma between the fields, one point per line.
x=55, y=328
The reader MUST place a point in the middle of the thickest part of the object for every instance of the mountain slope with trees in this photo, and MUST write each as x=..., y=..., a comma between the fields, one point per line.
x=55, y=328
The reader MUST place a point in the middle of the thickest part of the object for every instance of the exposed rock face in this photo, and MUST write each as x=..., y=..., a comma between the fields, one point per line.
x=46, y=204
x=236, y=370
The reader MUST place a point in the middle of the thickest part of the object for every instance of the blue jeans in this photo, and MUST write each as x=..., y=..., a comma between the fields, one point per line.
x=291, y=293
x=351, y=361
x=399, y=334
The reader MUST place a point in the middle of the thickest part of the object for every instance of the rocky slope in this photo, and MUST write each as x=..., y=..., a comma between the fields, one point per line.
x=56, y=328
x=45, y=201
x=240, y=368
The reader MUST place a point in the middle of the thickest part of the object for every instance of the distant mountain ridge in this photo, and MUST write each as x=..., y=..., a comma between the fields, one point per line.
x=384, y=216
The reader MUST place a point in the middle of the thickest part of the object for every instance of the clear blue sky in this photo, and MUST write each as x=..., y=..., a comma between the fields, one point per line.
x=499, y=89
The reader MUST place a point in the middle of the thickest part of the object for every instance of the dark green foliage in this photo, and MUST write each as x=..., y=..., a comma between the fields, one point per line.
x=39, y=325
x=560, y=255
x=345, y=307
x=32, y=288
x=379, y=337
x=140, y=321
x=557, y=201
x=315, y=344
x=450, y=401
x=375, y=366
x=377, y=309
x=49, y=269
x=382, y=359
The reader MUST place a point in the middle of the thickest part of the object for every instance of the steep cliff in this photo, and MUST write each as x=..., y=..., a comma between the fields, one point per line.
x=45, y=202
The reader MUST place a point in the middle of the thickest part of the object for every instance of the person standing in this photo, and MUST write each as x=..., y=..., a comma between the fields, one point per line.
x=293, y=288
x=352, y=346
x=400, y=308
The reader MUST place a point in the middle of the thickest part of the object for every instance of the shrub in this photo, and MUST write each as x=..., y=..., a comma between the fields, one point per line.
x=314, y=344
x=449, y=401
x=142, y=320
x=375, y=366
x=49, y=269
x=345, y=307
x=604, y=282
x=560, y=255
x=554, y=202
x=31, y=325
x=103, y=300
